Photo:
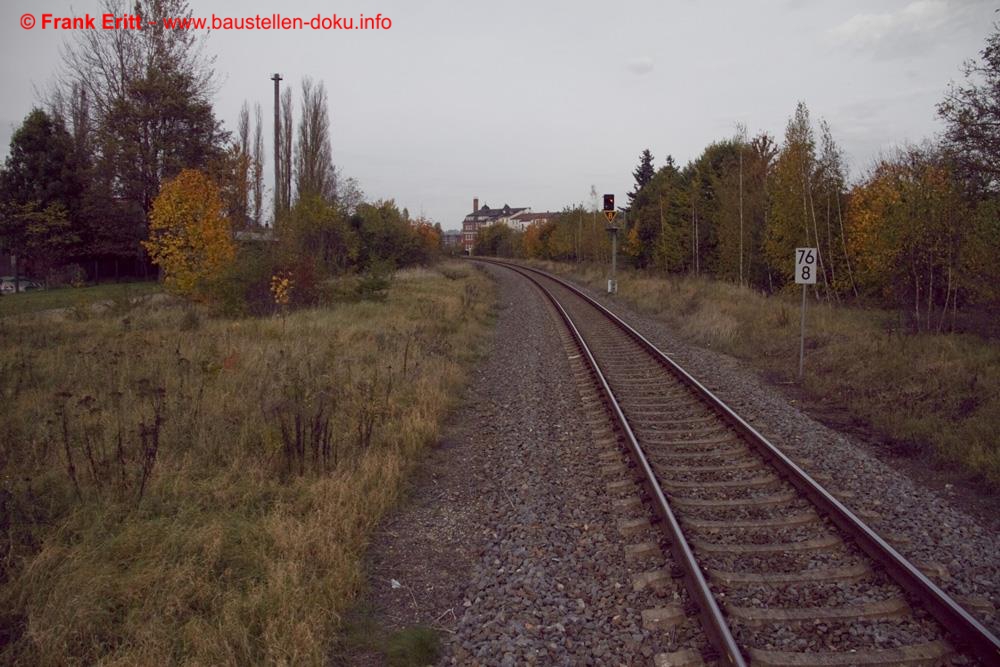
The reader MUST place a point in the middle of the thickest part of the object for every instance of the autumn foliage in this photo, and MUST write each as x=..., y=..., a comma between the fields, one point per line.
x=189, y=238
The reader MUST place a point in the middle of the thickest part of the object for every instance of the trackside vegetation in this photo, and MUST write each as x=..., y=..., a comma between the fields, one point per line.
x=179, y=487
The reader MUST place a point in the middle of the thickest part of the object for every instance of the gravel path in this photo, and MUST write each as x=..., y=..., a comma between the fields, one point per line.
x=510, y=544
x=960, y=552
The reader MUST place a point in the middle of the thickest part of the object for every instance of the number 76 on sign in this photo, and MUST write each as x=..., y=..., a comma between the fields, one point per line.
x=805, y=266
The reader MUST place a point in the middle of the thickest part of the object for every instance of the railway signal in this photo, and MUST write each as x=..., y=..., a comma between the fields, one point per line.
x=805, y=274
x=609, y=208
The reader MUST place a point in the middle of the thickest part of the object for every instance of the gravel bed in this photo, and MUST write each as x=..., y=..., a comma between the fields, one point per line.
x=937, y=530
x=812, y=595
x=746, y=512
x=838, y=637
x=680, y=475
x=809, y=531
x=778, y=562
x=552, y=584
x=519, y=497
x=774, y=487
x=662, y=455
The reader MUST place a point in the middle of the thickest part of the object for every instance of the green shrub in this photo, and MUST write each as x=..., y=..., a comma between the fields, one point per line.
x=374, y=283
x=244, y=288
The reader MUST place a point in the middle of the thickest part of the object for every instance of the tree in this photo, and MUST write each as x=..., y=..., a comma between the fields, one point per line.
x=190, y=239
x=972, y=114
x=909, y=229
x=140, y=100
x=242, y=165
x=429, y=235
x=385, y=237
x=41, y=164
x=642, y=174
x=314, y=171
x=315, y=228
x=497, y=240
x=39, y=188
x=789, y=222
x=42, y=236
x=257, y=167
x=830, y=183
x=284, y=193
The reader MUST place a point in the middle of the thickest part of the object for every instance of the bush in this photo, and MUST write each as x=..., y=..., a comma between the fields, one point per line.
x=244, y=287
x=374, y=283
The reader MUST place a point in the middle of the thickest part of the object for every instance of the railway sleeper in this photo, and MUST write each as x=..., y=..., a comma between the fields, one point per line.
x=682, y=658
x=753, y=482
x=883, y=609
x=934, y=652
x=699, y=455
x=701, y=432
x=816, y=575
x=744, y=464
x=770, y=500
x=736, y=461
x=718, y=440
x=799, y=519
x=802, y=546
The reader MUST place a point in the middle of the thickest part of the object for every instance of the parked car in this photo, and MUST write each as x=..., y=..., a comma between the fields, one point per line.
x=24, y=285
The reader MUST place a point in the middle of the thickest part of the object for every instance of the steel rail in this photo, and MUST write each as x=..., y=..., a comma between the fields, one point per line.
x=714, y=621
x=967, y=633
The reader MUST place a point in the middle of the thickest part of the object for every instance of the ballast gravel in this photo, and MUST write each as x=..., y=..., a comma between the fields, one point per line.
x=509, y=545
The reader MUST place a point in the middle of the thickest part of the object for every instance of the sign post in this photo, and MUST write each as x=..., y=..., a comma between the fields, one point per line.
x=610, y=213
x=805, y=275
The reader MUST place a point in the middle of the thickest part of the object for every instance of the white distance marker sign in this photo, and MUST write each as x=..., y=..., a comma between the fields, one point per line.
x=805, y=266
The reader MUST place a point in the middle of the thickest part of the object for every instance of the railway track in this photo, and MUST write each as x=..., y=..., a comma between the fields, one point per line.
x=776, y=568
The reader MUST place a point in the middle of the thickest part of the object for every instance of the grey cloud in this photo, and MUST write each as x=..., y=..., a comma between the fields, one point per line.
x=913, y=30
x=641, y=65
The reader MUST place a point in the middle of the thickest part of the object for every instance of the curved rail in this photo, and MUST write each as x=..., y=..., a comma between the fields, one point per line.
x=968, y=634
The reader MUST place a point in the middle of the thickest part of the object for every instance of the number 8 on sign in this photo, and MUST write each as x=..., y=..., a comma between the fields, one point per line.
x=805, y=266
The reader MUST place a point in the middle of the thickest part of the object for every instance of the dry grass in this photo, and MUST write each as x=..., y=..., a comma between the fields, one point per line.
x=225, y=474
x=925, y=393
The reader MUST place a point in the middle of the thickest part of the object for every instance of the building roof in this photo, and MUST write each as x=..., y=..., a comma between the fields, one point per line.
x=487, y=213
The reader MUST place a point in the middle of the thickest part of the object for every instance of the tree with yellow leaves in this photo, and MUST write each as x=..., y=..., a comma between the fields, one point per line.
x=911, y=232
x=189, y=238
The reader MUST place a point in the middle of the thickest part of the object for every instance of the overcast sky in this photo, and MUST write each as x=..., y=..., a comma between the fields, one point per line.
x=529, y=103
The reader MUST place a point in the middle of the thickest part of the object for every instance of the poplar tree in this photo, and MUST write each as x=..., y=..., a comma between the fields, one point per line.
x=314, y=172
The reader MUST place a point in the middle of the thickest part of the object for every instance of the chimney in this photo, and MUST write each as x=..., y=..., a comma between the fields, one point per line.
x=475, y=204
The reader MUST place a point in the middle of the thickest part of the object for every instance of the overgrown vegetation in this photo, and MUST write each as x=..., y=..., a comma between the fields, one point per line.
x=924, y=393
x=183, y=488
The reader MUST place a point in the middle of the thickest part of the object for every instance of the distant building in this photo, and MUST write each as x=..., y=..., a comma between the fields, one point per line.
x=451, y=238
x=526, y=218
x=482, y=217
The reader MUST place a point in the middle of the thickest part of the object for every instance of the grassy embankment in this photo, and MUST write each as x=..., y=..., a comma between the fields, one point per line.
x=74, y=297
x=177, y=488
x=924, y=393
